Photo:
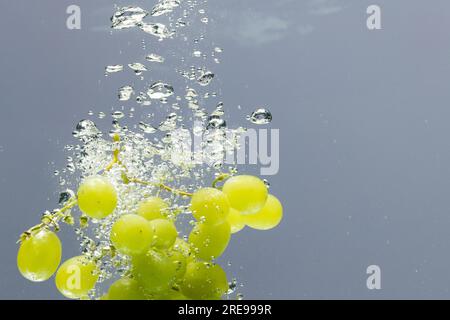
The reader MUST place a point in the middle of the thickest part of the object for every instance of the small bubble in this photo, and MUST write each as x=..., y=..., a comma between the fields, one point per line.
x=205, y=78
x=260, y=116
x=125, y=93
x=114, y=69
x=160, y=90
x=117, y=115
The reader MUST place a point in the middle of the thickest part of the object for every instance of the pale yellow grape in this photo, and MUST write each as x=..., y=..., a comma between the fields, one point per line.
x=97, y=197
x=269, y=217
x=76, y=277
x=204, y=281
x=210, y=205
x=125, y=289
x=153, y=208
x=164, y=233
x=172, y=295
x=210, y=241
x=39, y=256
x=236, y=221
x=155, y=271
x=184, y=248
x=247, y=194
x=132, y=234
x=180, y=262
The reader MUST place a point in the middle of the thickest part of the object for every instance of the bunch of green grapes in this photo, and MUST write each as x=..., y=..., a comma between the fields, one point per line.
x=164, y=264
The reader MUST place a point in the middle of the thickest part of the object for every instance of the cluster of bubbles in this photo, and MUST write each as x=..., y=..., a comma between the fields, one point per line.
x=145, y=219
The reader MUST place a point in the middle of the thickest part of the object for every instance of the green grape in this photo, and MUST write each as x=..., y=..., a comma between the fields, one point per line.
x=131, y=234
x=180, y=262
x=97, y=197
x=76, y=277
x=236, y=221
x=154, y=270
x=184, y=248
x=153, y=208
x=210, y=241
x=247, y=194
x=210, y=205
x=164, y=233
x=269, y=217
x=125, y=289
x=204, y=281
x=39, y=256
x=172, y=295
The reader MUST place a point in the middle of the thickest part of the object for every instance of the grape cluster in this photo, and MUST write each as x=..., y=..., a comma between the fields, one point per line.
x=164, y=265
x=135, y=191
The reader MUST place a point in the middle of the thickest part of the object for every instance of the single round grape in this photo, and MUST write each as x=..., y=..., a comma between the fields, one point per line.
x=154, y=270
x=164, y=233
x=125, y=289
x=210, y=241
x=236, y=221
x=76, y=277
x=247, y=194
x=39, y=256
x=269, y=217
x=180, y=262
x=204, y=281
x=210, y=205
x=153, y=208
x=97, y=197
x=184, y=248
x=131, y=234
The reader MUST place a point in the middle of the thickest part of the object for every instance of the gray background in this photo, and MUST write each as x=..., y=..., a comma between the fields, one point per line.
x=364, y=119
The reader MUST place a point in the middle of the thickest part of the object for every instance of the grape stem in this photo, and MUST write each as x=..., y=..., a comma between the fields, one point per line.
x=127, y=179
x=116, y=152
x=220, y=178
x=53, y=219
x=163, y=187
